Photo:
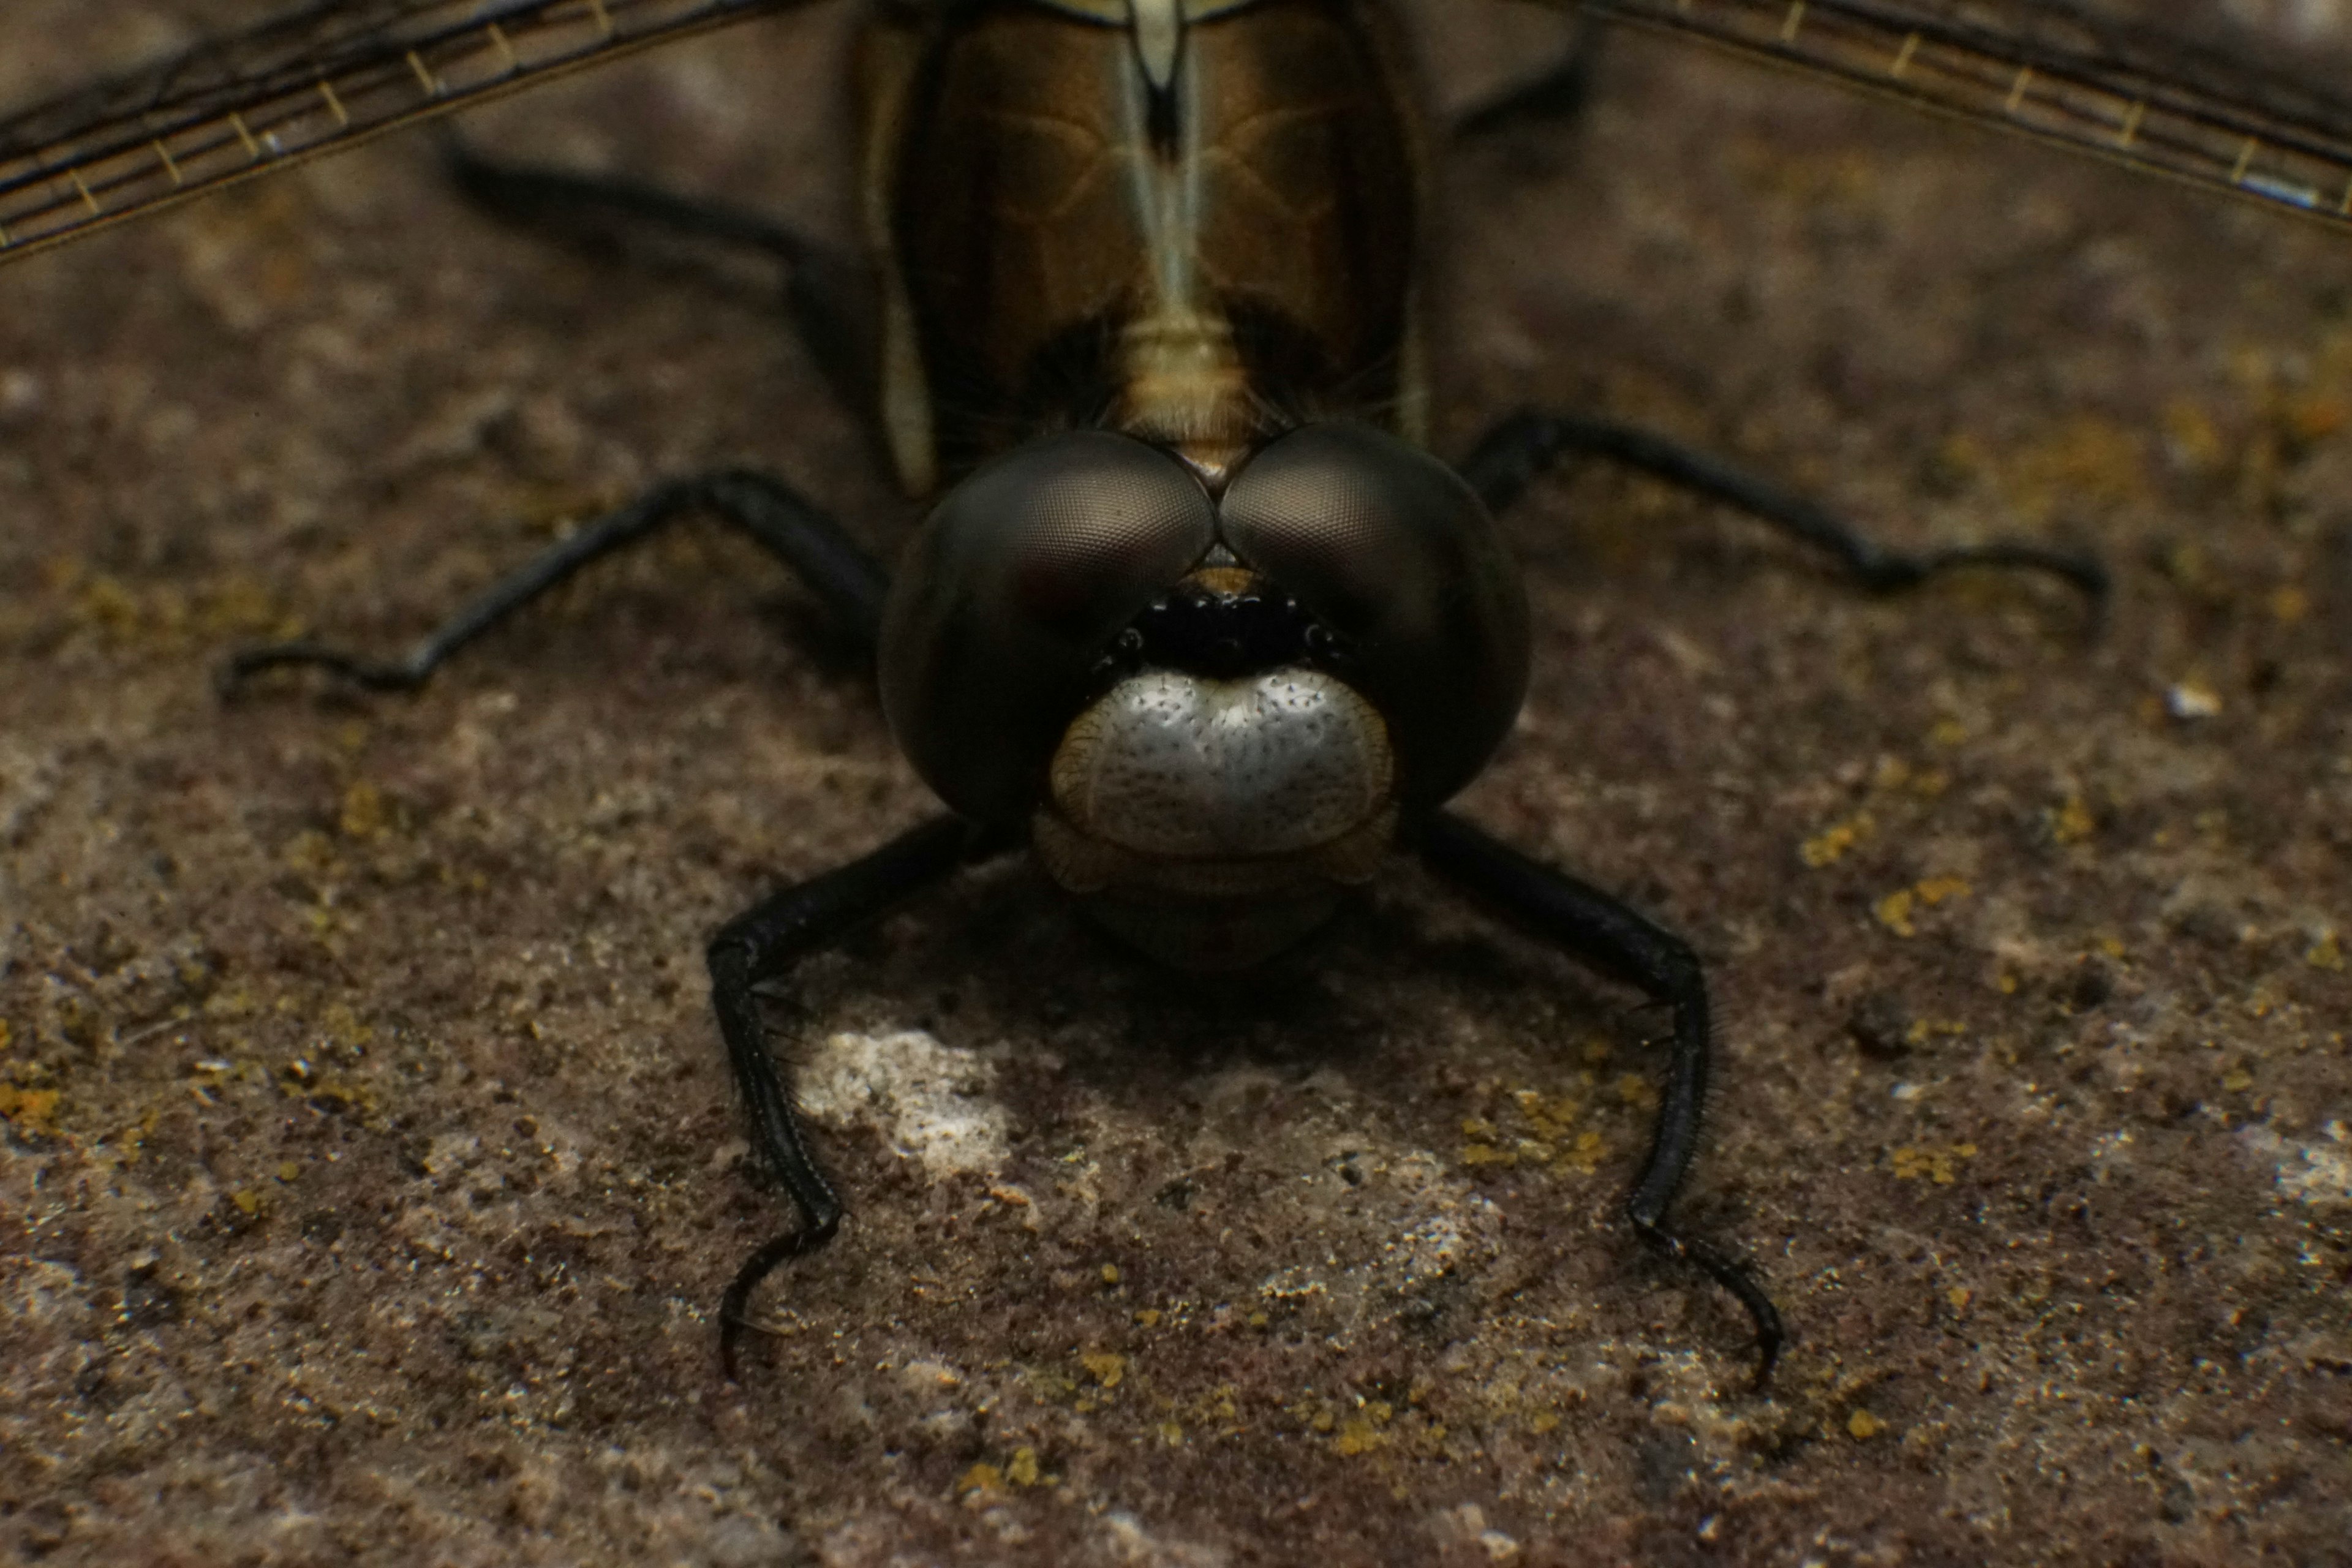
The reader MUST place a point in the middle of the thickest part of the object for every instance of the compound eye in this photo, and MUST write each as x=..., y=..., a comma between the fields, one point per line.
x=1014, y=587
x=1390, y=550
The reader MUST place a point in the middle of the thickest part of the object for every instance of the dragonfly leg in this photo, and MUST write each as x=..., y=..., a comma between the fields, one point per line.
x=762, y=943
x=828, y=290
x=768, y=511
x=1583, y=920
x=1525, y=446
x=1558, y=94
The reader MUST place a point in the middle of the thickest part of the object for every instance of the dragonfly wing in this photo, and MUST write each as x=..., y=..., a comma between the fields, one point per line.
x=2205, y=109
x=311, y=81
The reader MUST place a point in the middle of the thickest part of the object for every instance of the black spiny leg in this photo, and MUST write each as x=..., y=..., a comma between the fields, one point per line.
x=772, y=513
x=1524, y=447
x=1559, y=94
x=828, y=291
x=762, y=943
x=1596, y=928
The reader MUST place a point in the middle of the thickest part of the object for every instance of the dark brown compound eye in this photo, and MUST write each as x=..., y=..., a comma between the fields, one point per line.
x=1016, y=584
x=1390, y=550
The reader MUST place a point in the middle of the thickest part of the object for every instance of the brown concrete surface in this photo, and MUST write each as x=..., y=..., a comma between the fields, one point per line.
x=370, y=1170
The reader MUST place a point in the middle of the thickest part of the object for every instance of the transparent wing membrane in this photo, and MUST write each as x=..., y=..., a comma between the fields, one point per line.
x=326, y=77
x=339, y=71
x=2194, y=108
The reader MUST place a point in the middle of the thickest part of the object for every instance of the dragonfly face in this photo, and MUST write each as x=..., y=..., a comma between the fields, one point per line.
x=1212, y=706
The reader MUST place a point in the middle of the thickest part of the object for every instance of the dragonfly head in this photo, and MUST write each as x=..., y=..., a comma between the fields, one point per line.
x=1210, y=708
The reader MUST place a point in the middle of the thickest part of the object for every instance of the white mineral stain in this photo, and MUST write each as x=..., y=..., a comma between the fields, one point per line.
x=2324, y=1175
x=934, y=1104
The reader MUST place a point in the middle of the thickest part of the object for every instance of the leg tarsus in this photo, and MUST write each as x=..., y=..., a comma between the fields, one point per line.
x=1600, y=931
x=1736, y=1279
x=365, y=674
x=734, y=1306
x=765, y=941
x=1522, y=448
x=807, y=540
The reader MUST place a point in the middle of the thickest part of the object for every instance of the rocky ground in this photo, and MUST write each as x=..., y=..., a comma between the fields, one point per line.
x=371, y=1170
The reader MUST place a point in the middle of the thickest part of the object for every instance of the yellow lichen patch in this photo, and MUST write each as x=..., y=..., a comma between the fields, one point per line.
x=1173, y=1433
x=1548, y=1120
x=1022, y=1471
x=1539, y=1130
x=1149, y=1317
x=248, y=1199
x=331, y=1092
x=2237, y=1080
x=1830, y=846
x=1545, y=1422
x=1960, y=1296
x=980, y=1479
x=29, y=1109
x=1110, y=1273
x=1937, y=1163
x=1363, y=1432
x=2327, y=952
x=1637, y=1092
x=128, y=1146
x=1219, y=1407
x=1108, y=1368
x=1941, y=889
x=288, y=1171
x=1893, y=912
x=2071, y=821
x=1922, y=1030
x=1586, y=1157
x=364, y=814
x=1862, y=1425
x=1897, y=911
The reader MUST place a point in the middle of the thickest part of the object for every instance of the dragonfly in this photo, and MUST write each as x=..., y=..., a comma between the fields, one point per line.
x=1236, y=649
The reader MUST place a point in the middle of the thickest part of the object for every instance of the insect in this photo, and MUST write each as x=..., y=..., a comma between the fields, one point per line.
x=1218, y=434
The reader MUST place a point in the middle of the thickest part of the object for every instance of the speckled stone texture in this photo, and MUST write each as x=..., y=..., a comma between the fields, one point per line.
x=370, y=1169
